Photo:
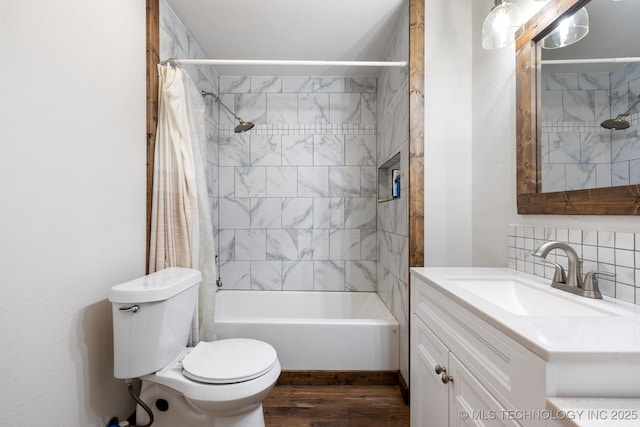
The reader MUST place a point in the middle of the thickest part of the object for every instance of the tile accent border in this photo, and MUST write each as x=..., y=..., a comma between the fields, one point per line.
x=613, y=252
x=305, y=129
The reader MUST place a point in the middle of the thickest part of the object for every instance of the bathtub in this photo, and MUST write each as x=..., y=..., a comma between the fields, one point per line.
x=351, y=331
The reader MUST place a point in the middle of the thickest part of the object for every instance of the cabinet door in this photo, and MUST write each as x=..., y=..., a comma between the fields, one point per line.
x=429, y=395
x=470, y=403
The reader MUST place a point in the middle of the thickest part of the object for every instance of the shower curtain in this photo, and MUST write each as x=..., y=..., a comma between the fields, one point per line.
x=181, y=228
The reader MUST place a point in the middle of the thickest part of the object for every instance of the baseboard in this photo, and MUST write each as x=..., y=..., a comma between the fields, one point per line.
x=404, y=388
x=339, y=378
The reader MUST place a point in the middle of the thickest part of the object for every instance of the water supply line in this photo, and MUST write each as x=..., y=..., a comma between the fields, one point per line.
x=139, y=402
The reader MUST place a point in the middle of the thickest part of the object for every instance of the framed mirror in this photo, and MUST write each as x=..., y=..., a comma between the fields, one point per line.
x=545, y=133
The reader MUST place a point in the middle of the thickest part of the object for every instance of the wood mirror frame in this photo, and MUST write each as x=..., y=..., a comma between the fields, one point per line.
x=623, y=200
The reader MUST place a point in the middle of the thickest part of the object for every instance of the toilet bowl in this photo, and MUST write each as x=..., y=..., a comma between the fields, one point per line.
x=219, y=383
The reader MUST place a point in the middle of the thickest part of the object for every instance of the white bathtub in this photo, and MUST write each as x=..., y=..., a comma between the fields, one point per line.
x=313, y=330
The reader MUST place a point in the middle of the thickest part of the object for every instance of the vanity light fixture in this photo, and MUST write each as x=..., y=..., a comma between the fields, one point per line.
x=569, y=31
x=501, y=25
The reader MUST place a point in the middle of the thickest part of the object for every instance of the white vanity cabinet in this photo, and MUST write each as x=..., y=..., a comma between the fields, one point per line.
x=484, y=377
x=511, y=346
x=451, y=397
x=429, y=404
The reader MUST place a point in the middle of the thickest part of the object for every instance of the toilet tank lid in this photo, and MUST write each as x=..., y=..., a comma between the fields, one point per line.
x=157, y=286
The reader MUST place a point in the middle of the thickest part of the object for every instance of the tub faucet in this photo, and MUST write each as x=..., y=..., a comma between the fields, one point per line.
x=572, y=280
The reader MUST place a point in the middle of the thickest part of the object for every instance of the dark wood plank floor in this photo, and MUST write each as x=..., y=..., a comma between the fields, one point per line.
x=335, y=406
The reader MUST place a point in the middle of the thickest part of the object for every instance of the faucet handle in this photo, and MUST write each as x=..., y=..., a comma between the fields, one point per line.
x=559, y=276
x=590, y=283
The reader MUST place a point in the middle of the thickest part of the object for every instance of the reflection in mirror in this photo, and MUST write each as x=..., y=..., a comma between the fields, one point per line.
x=568, y=31
x=590, y=130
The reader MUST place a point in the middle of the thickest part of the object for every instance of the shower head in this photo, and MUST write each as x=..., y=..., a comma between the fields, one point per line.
x=243, y=126
x=615, y=124
x=619, y=123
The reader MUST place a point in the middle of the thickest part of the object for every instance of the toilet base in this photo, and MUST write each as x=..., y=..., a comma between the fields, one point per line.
x=171, y=409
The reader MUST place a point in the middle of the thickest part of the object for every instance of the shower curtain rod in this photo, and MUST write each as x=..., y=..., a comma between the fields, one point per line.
x=288, y=62
x=590, y=61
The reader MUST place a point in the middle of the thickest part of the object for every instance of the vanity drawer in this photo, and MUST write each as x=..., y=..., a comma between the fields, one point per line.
x=508, y=370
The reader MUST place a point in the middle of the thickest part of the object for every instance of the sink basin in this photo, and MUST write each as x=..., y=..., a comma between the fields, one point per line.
x=523, y=299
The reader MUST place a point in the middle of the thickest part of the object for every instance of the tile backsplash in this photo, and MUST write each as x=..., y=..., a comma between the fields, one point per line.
x=613, y=252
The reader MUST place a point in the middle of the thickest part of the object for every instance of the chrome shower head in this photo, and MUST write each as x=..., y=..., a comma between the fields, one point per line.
x=615, y=124
x=243, y=126
x=619, y=123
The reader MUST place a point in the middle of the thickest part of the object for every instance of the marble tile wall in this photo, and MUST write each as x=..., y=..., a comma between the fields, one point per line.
x=393, y=216
x=625, y=144
x=577, y=153
x=177, y=42
x=613, y=252
x=298, y=192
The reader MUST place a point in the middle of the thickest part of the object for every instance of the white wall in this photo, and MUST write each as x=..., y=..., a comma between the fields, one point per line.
x=72, y=215
x=448, y=143
x=493, y=133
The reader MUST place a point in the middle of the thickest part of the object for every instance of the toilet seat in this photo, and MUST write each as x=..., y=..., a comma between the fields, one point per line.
x=229, y=361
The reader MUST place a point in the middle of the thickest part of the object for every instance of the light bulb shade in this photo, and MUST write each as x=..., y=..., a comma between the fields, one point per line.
x=500, y=25
x=568, y=31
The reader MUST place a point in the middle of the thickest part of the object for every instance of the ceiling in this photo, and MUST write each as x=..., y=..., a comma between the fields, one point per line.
x=614, y=32
x=349, y=30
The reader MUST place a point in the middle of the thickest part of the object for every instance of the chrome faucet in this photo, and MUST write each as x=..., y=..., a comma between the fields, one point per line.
x=571, y=281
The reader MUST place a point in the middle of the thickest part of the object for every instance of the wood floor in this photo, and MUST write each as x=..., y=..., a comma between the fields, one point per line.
x=335, y=406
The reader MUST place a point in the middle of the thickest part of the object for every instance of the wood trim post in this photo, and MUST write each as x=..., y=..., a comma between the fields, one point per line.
x=153, y=58
x=416, y=133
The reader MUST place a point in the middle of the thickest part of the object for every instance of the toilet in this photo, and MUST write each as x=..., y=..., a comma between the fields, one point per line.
x=219, y=383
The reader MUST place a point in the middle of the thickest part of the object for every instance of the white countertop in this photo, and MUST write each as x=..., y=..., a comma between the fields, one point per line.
x=575, y=339
x=590, y=412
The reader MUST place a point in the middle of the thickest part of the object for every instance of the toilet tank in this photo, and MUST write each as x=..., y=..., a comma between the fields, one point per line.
x=152, y=318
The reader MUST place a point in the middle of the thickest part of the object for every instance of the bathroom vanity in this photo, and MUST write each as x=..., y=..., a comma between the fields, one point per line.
x=496, y=346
